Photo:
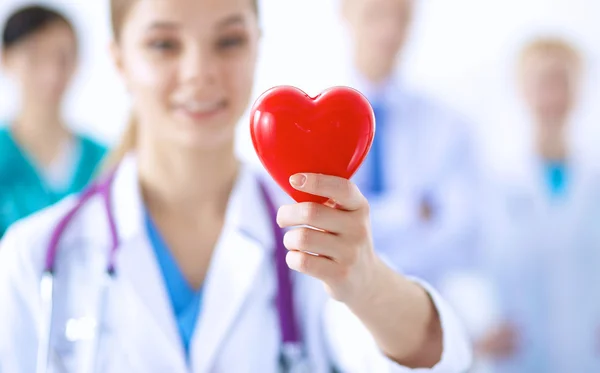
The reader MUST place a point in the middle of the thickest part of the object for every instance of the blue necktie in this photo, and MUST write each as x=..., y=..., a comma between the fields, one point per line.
x=376, y=157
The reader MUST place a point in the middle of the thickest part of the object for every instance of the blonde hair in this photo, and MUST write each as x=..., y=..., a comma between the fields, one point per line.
x=118, y=12
x=555, y=46
x=125, y=145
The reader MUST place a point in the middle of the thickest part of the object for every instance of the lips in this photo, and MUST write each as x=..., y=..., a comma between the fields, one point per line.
x=199, y=110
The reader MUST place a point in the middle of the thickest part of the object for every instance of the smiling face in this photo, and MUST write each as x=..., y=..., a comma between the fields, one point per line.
x=189, y=66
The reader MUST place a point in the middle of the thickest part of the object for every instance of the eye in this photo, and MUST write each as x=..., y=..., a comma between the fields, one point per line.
x=163, y=45
x=231, y=42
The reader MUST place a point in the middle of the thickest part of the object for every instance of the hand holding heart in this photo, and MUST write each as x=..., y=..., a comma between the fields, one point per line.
x=312, y=147
x=346, y=261
x=328, y=136
x=398, y=312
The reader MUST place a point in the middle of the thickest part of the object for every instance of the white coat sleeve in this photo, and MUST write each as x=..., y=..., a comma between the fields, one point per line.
x=354, y=350
x=20, y=304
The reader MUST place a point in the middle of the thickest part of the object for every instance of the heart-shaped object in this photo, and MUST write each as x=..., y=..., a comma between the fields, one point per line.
x=328, y=134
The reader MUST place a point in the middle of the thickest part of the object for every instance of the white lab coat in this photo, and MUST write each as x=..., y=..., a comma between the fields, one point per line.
x=238, y=328
x=544, y=255
x=428, y=151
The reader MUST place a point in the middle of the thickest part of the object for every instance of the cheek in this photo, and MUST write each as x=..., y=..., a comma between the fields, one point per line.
x=146, y=73
x=239, y=79
x=36, y=81
x=531, y=95
x=149, y=81
x=22, y=71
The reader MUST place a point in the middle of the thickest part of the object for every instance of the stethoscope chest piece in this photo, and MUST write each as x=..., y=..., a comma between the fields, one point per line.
x=293, y=359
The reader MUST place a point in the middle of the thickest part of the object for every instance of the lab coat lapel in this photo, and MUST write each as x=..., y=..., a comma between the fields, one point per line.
x=244, y=247
x=137, y=266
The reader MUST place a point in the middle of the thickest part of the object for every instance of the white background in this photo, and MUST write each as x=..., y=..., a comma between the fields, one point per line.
x=461, y=51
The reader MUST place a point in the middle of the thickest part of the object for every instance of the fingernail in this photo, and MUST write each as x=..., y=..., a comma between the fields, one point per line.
x=298, y=180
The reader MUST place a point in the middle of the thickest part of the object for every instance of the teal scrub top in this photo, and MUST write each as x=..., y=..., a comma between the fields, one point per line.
x=23, y=190
x=185, y=301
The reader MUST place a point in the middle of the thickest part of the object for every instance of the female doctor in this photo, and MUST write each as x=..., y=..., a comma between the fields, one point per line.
x=175, y=261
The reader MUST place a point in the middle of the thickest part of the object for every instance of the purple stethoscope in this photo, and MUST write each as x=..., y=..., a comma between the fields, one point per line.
x=291, y=358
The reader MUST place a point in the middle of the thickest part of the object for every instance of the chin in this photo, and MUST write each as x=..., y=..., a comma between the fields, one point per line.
x=49, y=99
x=205, y=132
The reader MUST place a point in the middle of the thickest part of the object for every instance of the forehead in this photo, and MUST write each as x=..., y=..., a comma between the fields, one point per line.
x=195, y=14
x=549, y=60
x=52, y=36
x=371, y=6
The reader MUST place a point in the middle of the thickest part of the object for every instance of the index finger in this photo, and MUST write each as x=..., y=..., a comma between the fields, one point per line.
x=342, y=191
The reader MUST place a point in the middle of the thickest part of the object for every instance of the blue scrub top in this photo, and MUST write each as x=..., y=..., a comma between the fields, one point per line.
x=185, y=301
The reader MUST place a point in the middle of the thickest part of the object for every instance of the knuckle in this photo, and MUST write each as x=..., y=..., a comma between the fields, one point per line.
x=304, y=262
x=362, y=230
x=348, y=187
x=317, y=182
x=355, y=194
x=341, y=275
x=303, y=238
x=358, y=228
x=310, y=212
x=337, y=185
x=366, y=207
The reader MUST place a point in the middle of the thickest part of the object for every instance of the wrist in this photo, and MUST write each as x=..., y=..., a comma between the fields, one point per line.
x=378, y=282
x=401, y=316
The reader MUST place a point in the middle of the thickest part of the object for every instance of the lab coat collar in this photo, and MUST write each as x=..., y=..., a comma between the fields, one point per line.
x=529, y=179
x=245, y=243
x=128, y=206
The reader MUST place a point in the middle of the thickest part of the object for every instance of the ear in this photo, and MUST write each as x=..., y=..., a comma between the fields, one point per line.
x=8, y=65
x=5, y=59
x=116, y=54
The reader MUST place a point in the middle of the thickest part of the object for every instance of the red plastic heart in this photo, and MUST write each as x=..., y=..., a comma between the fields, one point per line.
x=328, y=134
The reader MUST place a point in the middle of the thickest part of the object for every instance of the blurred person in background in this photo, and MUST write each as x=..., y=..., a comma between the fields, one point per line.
x=421, y=174
x=544, y=245
x=41, y=160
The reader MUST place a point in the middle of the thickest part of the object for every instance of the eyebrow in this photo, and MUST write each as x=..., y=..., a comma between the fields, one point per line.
x=232, y=20
x=170, y=25
x=163, y=25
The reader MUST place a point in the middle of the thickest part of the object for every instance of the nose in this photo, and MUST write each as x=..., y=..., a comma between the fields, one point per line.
x=54, y=71
x=199, y=66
